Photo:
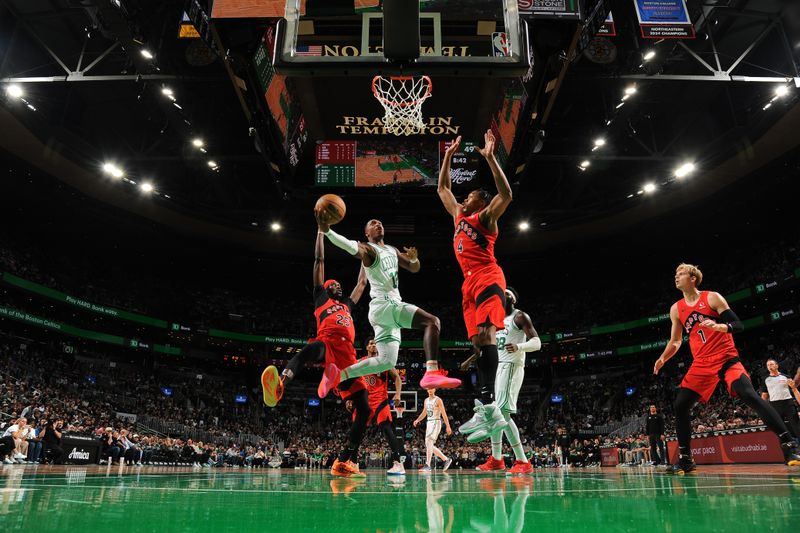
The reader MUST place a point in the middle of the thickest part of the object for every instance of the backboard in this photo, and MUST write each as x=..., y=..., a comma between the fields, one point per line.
x=469, y=38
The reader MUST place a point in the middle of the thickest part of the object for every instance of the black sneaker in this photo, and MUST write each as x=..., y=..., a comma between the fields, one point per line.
x=682, y=467
x=790, y=456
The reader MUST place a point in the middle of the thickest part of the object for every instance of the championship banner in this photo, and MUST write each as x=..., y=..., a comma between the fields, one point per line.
x=732, y=446
x=664, y=19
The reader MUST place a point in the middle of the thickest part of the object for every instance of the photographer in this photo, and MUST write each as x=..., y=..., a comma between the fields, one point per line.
x=51, y=442
x=109, y=447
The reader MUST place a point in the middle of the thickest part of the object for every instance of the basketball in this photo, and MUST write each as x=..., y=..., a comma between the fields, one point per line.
x=334, y=205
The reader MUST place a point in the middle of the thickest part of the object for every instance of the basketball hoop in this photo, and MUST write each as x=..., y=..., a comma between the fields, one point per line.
x=402, y=98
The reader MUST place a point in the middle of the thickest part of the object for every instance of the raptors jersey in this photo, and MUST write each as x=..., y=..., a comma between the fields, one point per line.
x=706, y=344
x=473, y=244
x=510, y=334
x=333, y=316
x=377, y=388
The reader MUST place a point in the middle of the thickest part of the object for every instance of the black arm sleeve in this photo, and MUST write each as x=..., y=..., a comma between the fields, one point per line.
x=732, y=321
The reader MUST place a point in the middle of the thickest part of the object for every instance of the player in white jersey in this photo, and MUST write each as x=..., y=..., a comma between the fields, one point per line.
x=388, y=313
x=435, y=413
x=513, y=341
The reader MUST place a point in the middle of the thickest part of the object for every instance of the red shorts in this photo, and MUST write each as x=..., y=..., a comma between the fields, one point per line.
x=484, y=299
x=340, y=351
x=703, y=377
x=378, y=414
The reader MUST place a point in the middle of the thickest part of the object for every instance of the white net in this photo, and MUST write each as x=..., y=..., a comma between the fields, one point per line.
x=402, y=98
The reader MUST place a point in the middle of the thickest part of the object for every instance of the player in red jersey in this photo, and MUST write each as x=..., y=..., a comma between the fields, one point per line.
x=380, y=409
x=483, y=290
x=333, y=344
x=710, y=324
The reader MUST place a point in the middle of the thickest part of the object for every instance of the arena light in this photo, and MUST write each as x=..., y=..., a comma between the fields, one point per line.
x=781, y=91
x=649, y=187
x=15, y=91
x=599, y=142
x=146, y=187
x=620, y=105
x=769, y=104
x=176, y=105
x=113, y=170
x=147, y=54
x=650, y=54
x=275, y=226
x=684, y=170
x=212, y=164
x=585, y=164
x=166, y=91
x=630, y=90
x=198, y=142
x=524, y=226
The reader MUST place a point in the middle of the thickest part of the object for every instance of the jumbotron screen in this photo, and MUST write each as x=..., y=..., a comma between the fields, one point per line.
x=390, y=162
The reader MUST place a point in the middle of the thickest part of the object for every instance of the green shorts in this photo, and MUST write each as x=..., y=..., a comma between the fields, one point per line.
x=388, y=317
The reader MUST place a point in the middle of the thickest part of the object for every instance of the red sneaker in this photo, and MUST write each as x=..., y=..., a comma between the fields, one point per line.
x=492, y=464
x=521, y=467
x=330, y=378
x=272, y=385
x=437, y=379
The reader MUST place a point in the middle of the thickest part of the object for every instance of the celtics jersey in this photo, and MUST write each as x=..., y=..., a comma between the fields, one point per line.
x=510, y=334
x=382, y=274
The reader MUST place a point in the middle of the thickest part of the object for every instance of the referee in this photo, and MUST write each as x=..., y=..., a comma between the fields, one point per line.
x=776, y=390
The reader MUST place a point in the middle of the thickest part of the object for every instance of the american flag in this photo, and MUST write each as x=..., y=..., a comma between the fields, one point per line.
x=315, y=50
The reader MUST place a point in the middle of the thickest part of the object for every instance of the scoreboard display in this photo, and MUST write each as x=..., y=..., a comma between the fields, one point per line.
x=336, y=164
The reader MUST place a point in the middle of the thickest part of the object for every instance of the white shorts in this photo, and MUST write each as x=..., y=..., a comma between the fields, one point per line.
x=388, y=317
x=507, y=384
x=432, y=430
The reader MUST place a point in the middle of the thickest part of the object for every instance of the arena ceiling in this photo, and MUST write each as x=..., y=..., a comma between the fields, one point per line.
x=91, y=97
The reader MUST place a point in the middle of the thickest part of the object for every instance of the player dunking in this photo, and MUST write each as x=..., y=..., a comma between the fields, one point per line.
x=710, y=323
x=334, y=345
x=434, y=411
x=483, y=299
x=388, y=313
x=517, y=337
x=380, y=412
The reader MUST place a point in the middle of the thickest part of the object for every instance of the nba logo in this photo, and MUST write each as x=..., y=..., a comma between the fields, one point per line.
x=500, y=45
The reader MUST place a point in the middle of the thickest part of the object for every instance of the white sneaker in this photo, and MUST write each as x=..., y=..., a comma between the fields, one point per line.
x=475, y=422
x=397, y=469
x=447, y=464
x=8, y=461
x=20, y=456
x=425, y=470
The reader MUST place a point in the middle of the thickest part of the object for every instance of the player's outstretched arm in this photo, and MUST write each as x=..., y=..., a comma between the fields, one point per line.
x=533, y=342
x=730, y=322
x=409, y=260
x=444, y=190
x=398, y=387
x=361, y=284
x=319, y=260
x=675, y=340
x=503, y=198
x=360, y=250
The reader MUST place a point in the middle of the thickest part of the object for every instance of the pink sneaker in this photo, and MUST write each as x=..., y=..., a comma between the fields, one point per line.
x=437, y=379
x=330, y=378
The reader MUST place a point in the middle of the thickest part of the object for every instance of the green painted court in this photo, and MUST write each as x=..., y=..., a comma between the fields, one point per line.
x=151, y=499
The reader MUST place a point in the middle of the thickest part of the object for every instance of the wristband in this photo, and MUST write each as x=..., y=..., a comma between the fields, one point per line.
x=412, y=261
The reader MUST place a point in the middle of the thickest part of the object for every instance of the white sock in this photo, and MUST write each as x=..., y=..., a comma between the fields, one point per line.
x=497, y=445
x=386, y=359
x=431, y=365
x=511, y=431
